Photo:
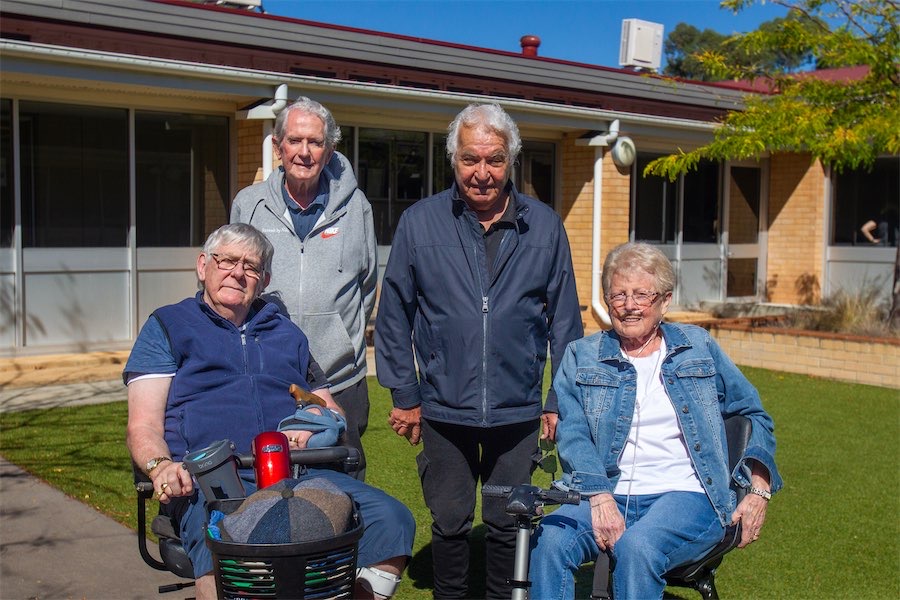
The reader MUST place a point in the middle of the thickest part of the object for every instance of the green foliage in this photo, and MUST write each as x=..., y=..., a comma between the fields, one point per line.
x=832, y=532
x=686, y=46
x=846, y=123
x=681, y=46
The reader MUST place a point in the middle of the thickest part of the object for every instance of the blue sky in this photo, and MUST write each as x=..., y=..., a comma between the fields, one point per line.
x=579, y=30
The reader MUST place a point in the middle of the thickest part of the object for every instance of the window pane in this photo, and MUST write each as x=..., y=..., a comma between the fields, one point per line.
x=743, y=215
x=345, y=146
x=74, y=175
x=6, y=175
x=182, y=177
x=441, y=168
x=392, y=174
x=534, y=171
x=655, y=205
x=701, y=204
x=861, y=196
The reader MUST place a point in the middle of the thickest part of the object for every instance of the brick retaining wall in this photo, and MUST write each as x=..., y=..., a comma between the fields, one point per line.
x=857, y=359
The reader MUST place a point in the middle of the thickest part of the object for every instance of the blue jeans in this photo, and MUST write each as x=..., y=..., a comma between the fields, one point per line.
x=662, y=531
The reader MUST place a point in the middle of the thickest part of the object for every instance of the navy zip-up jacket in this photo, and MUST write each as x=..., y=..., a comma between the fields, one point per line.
x=479, y=335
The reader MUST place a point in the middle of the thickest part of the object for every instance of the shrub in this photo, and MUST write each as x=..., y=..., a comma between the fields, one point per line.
x=860, y=312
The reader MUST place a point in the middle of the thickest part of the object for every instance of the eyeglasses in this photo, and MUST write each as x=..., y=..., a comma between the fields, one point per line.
x=226, y=263
x=642, y=299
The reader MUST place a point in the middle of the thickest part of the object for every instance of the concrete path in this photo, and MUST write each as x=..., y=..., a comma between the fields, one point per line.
x=53, y=547
x=55, y=396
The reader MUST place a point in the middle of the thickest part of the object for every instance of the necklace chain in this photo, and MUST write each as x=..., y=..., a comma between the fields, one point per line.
x=644, y=347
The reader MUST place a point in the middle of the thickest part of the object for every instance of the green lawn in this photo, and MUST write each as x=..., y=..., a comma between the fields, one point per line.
x=831, y=533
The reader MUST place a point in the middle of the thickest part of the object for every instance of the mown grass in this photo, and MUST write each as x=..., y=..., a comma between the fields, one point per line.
x=831, y=533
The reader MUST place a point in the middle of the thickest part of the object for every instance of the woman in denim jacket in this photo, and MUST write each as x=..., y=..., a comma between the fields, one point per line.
x=642, y=437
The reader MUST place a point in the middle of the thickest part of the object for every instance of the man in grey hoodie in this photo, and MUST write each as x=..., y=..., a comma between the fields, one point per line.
x=325, y=265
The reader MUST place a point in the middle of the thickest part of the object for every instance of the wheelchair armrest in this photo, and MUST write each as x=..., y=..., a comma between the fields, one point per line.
x=144, y=488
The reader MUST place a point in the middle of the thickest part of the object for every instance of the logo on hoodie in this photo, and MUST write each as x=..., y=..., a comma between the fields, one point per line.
x=330, y=232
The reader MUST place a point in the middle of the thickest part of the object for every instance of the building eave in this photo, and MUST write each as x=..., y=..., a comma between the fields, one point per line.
x=292, y=36
x=25, y=60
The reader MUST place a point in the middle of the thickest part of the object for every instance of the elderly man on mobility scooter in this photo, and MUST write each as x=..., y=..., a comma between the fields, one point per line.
x=219, y=365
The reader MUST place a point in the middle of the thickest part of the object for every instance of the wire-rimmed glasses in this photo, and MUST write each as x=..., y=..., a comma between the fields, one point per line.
x=642, y=299
x=227, y=263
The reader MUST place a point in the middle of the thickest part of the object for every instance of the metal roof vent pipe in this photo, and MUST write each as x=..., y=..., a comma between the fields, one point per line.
x=530, y=45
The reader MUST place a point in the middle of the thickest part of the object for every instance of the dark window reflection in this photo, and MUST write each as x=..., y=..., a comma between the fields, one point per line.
x=182, y=177
x=392, y=174
x=7, y=175
x=74, y=175
x=655, y=205
x=534, y=170
x=442, y=170
x=701, y=204
x=862, y=197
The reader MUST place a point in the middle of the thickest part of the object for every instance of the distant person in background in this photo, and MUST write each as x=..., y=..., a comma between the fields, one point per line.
x=325, y=266
x=885, y=229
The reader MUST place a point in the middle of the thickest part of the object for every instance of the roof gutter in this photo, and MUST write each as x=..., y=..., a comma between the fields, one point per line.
x=21, y=56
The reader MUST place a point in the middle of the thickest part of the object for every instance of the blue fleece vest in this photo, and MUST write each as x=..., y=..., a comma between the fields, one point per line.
x=231, y=383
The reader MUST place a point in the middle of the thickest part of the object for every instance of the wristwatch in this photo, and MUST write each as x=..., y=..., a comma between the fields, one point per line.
x=155, y=462
x=764, y=494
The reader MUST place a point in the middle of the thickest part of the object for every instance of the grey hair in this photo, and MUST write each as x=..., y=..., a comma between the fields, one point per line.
x=245, y=236
x=639, y=257
x=308, y=105
x=491, y=116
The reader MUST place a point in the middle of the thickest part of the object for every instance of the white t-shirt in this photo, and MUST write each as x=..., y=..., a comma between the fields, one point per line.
x=655, y=459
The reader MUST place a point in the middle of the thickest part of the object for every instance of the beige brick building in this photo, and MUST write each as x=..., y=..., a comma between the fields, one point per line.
x=148, y=117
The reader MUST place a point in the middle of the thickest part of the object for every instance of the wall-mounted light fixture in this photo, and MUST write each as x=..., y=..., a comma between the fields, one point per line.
x=623, y=152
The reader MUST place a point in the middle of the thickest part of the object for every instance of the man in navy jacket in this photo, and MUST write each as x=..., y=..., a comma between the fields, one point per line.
x=479, y=280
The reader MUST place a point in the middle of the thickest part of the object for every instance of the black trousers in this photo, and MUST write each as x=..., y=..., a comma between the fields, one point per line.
x=354, y=400
x=454, y=458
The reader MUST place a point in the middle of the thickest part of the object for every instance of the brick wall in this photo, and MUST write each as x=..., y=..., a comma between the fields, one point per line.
x=796, y=230
x=577, y=207
x=857, y=359
x=249, y=158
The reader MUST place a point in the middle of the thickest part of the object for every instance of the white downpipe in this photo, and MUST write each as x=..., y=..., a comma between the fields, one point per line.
x=596, y=271
x=281, y=94
x=267, y=148
x=596, y=303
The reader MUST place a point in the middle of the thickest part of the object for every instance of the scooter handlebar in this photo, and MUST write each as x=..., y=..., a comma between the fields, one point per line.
x=347, y=455
x=525, y=495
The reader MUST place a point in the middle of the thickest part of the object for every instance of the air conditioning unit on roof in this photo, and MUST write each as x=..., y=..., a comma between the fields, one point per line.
x=642, y=43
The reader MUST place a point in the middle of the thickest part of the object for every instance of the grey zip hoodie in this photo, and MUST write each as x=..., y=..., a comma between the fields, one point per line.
x=326, y=282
